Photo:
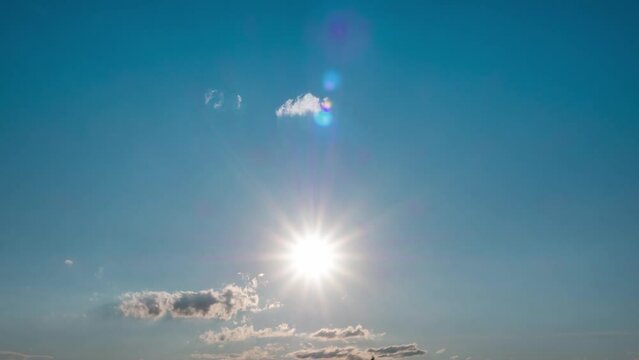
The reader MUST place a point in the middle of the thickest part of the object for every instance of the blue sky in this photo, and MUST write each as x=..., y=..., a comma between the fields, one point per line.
x=476, y=185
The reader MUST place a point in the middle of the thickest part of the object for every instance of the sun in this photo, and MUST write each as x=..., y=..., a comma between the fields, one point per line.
x=313, y=256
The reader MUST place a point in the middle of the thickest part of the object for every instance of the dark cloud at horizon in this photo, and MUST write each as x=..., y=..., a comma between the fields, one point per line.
x=353, y=353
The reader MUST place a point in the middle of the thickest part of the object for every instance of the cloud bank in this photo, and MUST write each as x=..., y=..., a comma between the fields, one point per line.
x=256, y=353
x=245, y=332
x=306, y=104
x=353, y=353
x=205, y=304
x=326, y=353
x=347, y=333
x=11, y=355
x=397, y=351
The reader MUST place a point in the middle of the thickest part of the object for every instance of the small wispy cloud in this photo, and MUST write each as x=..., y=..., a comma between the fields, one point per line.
x=68, y=262
x=12, y=355
x=246, y=332
x=454, y=357
x=306, y=104
x=271, y=305
x=440, y=351
x=215, y=97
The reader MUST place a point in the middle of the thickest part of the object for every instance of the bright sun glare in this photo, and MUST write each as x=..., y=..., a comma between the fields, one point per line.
x=313, y=256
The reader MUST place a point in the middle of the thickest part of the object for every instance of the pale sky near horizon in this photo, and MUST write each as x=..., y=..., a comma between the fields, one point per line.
x=447, y=180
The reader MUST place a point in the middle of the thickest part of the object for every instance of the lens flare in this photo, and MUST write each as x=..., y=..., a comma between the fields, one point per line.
x=326, y=104
x=331, y=80
x=323, y=118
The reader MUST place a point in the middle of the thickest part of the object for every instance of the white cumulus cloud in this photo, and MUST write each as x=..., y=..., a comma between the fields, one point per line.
x=245, y=332
x=302, y=105
x=68, y=262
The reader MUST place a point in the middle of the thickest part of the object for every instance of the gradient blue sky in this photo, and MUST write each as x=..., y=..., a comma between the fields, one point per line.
x=481, y=169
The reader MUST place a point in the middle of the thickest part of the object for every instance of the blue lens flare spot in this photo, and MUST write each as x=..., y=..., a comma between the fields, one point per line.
x=331, y=80
x=323, y=118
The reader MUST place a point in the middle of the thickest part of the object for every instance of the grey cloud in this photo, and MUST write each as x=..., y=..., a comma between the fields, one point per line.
x=353, y=353
x=325, y=353
x=205, y=304
x=347, y=333
x=397, y=351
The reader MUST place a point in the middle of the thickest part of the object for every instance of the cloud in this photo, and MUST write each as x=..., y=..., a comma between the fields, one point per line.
x=11, y=355
x=397, y=351
x=272, y=305
x=454, y=357
x=205, y=304
x=302, y=105
x=353, y=353
x=68, y=262
x=256, y=353
x=440, y=351
x=215, y=97
x=347, y=333
x=245, y=332
x=327, y=353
